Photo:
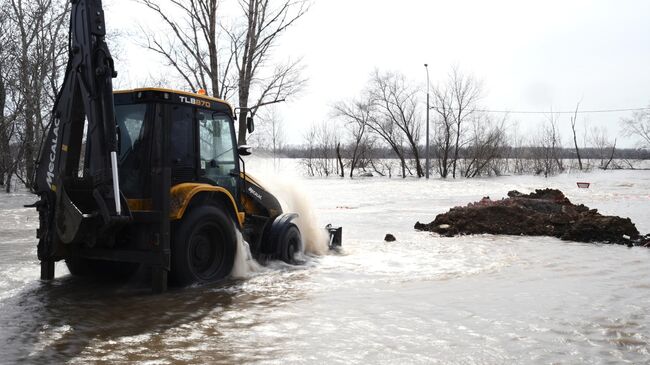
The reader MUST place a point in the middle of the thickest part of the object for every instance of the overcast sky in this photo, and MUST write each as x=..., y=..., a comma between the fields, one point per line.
x=539, y=55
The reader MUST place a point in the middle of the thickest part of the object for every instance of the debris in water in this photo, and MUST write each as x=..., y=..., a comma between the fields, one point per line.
x=546, y=212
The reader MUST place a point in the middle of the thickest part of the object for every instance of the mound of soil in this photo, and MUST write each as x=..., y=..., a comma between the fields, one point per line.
x=546, y=212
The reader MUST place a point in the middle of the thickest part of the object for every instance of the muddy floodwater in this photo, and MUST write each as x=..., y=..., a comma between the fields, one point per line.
x=421, y=299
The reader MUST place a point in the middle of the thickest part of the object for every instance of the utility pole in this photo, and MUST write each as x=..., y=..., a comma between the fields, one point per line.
x=428, y=160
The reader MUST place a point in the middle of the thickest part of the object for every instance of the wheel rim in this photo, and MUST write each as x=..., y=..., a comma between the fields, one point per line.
x=206, y=252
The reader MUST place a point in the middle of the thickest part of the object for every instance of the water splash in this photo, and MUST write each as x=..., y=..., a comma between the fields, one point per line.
x=245, y=264
x=294, y=199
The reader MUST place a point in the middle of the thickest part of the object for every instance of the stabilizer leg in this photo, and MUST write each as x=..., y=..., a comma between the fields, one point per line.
x=47, y=269
x=158, y=279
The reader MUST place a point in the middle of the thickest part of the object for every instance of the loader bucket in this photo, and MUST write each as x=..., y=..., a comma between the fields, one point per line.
x=336, y=236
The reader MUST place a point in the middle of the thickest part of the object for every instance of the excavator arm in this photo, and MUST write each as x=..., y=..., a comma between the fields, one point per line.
x=74, y=200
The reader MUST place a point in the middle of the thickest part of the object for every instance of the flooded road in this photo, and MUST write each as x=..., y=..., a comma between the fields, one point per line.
x=422, y=299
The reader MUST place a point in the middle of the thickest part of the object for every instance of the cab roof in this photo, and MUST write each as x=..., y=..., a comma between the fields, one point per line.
x=173, y=96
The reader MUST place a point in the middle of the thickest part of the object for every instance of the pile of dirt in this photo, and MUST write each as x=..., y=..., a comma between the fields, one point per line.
x=546, y=212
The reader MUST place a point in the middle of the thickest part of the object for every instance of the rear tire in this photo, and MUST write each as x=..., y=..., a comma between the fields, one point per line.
x=204, y=247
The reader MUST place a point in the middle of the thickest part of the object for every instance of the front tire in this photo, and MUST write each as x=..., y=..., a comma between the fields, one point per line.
x=204, y=247
x=290, y=244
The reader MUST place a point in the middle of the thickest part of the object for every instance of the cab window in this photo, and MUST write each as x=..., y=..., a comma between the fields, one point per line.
x=133, y=148
x=182, y=146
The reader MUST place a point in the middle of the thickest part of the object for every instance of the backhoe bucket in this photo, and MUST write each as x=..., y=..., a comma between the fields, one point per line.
x=73, y=223
x=83, y=215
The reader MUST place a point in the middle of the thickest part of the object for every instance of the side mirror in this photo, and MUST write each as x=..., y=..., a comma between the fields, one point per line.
x=244, y=150
x=250, y=124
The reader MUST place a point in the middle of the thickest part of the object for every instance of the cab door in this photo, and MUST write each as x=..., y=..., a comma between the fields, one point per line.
x=217, y=152
x=182, y=151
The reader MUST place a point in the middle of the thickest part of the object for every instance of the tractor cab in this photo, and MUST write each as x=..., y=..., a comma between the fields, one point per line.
x=195, y=131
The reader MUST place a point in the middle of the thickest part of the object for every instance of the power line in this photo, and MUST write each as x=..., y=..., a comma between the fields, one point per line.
x=549, y=111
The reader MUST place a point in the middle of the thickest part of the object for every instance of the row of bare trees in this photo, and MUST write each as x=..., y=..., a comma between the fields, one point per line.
x=33, y=45
x=466, y=140
x=388, y=113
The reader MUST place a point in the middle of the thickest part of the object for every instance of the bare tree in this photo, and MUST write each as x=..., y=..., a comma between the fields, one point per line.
x=265, y=21
x=443, y=127
x=518, y=152
x=638, y=126
x=271, y=130
x=396, y=115
x=310, y=150
x=574, y=119
x=40, y=41
x=4, y=138
x=10, y=147
x=11, y=106
x=454, y=103
x=603, y=148
x=193, y=46
x=548, y=145
x=326, y=141
x=231, y=61
x=5, y=119
x=356, y=115
x=339, y=158
x=320, y=144
x=466, y=91
x=389, y=133
x=485, y=148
